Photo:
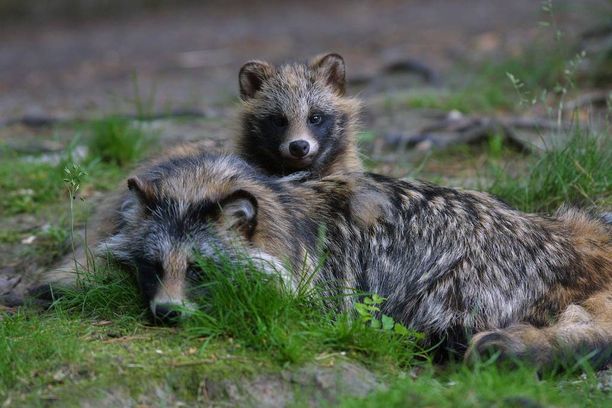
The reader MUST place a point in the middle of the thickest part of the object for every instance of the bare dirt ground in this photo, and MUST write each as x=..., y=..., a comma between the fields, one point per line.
x=191, y=56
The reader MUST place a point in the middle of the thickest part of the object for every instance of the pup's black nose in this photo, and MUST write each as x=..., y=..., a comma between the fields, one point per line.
x=167, y=313
x=299, y=148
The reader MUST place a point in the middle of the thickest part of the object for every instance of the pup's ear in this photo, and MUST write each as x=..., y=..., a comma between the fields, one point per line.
x=252, y=76
x=331, y=68
x=144, y=189
x=239, y=212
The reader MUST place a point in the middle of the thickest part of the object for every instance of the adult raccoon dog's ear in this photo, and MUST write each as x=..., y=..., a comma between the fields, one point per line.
x=252, y=76
x=144, y=189
x=239, y=212
x=331, y=68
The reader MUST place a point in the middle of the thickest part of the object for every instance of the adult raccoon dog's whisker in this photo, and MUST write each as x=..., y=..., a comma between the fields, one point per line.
x=450, y=263
x=296, y=117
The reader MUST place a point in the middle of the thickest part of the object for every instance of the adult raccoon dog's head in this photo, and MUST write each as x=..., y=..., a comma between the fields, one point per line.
x=296, y=117
x=190, y=207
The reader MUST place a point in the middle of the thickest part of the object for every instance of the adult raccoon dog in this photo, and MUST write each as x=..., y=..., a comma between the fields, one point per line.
x=296, y=117
x=455, y=265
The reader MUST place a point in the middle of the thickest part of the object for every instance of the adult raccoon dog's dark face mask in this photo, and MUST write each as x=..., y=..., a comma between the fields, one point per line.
x=295, y=117
x=169, y=222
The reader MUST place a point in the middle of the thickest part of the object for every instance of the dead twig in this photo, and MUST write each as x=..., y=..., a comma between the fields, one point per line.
x=597, y=98
x=457, y=129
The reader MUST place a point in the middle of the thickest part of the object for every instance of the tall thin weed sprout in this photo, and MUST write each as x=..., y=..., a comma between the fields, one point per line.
x=566, y=79
x=576, y=172
x=75, y=175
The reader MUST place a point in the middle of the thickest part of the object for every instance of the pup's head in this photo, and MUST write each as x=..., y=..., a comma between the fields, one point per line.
x=176, y=212
x=295, y=117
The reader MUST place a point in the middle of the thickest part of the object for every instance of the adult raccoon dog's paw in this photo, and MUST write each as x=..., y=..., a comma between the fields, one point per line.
x=518, y=343
x=41, y=296
x=581, y=334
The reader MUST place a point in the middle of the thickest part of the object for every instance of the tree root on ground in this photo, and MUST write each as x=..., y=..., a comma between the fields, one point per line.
x=455, y=129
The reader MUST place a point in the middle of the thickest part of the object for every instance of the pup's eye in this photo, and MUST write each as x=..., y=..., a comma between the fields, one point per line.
x=315, y=119
x=279, y=121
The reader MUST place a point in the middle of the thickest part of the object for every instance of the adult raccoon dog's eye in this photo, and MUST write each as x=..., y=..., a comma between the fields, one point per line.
x=194, y=273
x=315, y=119
x=279, y=121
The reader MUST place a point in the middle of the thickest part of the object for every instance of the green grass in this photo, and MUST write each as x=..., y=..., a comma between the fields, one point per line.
x=478, y=95
x=544, y=69
x=67, y=356
x=252, y=308
x=37, y=186
x=98, y=339
x=118, y=141
x=244, y=304
x=29, y=186
x=32, y=345
x=106, y=293
x=578, y=172
x=26, y=186
x=8, y=236
x=487, y=386
x=245, y=317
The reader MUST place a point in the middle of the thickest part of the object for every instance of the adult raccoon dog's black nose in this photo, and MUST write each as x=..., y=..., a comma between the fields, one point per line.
x=299, y=148
x=167, y=313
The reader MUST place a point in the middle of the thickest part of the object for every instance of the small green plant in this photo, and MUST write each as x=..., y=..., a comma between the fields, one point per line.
x=559, y=77
x=519, y=87
x=74, y=177
x=370, y=309
x=118, y=141
x=495, y=146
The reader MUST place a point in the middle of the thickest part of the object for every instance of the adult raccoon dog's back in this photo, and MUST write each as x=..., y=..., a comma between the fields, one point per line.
x=450, y=263
x=296, y=117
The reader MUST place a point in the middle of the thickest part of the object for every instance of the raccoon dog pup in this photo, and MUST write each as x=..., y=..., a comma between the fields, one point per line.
x=456, y=265
x=296, y=117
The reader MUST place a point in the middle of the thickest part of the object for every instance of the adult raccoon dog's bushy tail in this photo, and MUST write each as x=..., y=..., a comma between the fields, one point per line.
x=584, y=329
x=581, y=332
